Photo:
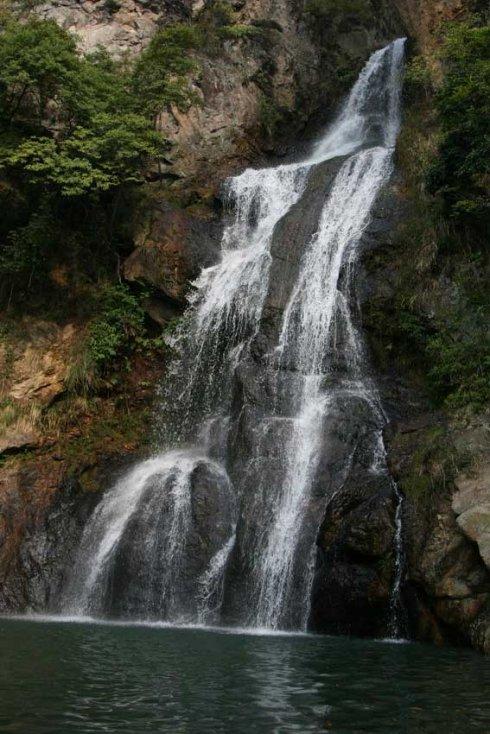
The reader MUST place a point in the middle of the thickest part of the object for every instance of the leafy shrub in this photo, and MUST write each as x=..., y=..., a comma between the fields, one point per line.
x=335, y=9
x=112, y=6
x=161, y=70
x=25, y=246
x=460, y=175
x=221, y=13
x=107, y=154
x=113, y=332
x=239, y=31
x=459, y=355
x=270, y=115
x=418, y=78
x=37, y=59
x=455, y=346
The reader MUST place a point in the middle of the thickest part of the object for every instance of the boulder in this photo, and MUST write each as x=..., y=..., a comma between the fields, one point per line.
x=15, y=440
x=171, y=249
x=471, y=504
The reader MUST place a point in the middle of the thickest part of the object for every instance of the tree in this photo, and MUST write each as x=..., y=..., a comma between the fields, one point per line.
x=76, y=136
x=36, y=60
x=161, y=72
x=461, y=174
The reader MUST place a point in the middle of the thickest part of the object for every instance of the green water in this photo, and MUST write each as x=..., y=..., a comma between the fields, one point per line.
x=65, y=678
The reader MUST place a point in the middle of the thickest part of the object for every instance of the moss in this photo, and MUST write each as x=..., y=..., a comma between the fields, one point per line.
x=239, y=31
x=121, y=432
x=432, y=465
x=271, y=116
x=10, y=412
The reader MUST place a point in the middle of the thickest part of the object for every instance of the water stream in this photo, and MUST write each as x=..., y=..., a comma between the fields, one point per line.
x=163, y=542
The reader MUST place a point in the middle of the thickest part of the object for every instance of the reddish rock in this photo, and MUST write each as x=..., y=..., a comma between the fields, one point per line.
x=171, y=250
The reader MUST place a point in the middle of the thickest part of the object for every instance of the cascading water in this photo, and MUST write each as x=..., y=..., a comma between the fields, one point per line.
x=162, y=541
x=305, y=345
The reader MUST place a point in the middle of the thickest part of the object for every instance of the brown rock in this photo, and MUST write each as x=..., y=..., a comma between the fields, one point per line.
x=471, y=503
x=171, y=251
x=14, y=440
x=39, y=373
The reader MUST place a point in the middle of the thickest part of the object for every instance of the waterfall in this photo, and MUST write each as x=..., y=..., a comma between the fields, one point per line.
x=164, y=540
x=304, y=342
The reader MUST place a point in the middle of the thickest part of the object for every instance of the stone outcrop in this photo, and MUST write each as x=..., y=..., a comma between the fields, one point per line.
x=471, y=505
x=171, y=248
x=445, y=517
x=34, y=364
x=120, y=26
x=14, y=440
x=42, y=515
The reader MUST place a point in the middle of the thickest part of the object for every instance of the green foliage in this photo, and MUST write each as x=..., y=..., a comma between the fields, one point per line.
x=455, y=346
x=76, y=135
x=337, y=9
x=239, y=31
x=36, y=60
x=431, y=467
x=270, y=115
x=102, y=140
x=112, y=6
x=161, y=72
x=222, y=13
x=115, y=333
x=109, y=153
x=460, y=175
x=418, y=78
x=217, y=23
x=119, y=322
x=440, y=313
x=25, y=247
x=459, y=355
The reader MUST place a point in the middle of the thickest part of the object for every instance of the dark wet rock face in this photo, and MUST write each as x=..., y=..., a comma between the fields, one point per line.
x=31, y=580
x=446, y=588
x=139, y=573
x=352, y=586
x=354, y=557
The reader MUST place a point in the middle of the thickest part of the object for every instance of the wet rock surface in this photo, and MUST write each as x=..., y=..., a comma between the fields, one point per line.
x=32, y=576
x=139, y=583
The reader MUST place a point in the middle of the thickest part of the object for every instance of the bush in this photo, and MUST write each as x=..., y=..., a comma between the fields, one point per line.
x=459, y=354
x=336, y=9
x=114, y=331
x=160, y=76
x=454, y=345
x=239, y=31
x=418, y=78
x=460, y=175
x=270, y=116
x=37, y=60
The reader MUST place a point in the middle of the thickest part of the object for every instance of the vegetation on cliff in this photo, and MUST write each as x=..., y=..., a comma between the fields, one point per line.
x=76, y=136
x=438, y=319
